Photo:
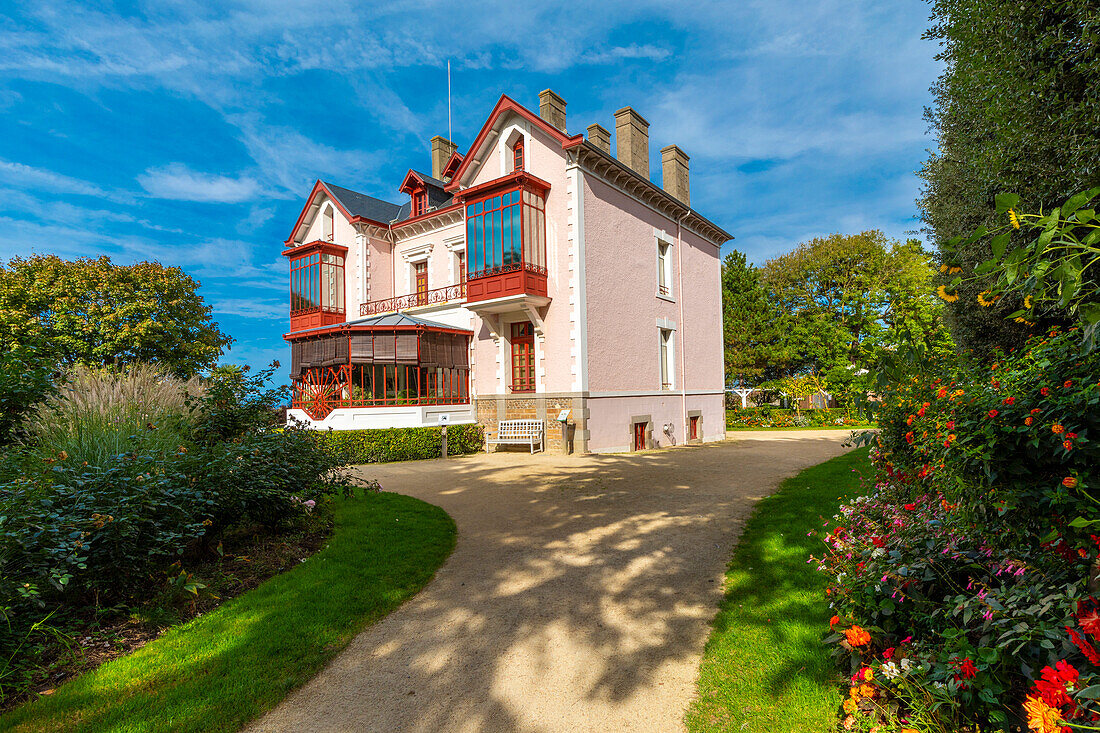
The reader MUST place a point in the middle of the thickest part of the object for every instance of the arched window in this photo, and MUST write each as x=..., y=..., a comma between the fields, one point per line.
x=517, y=155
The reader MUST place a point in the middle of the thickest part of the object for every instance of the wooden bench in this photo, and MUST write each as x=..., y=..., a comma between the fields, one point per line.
x=519, y=432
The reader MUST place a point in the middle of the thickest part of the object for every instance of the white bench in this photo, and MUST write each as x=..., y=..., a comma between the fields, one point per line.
x=519, y=432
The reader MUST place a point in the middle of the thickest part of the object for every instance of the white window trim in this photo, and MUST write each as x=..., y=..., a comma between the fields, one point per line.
x=663, y=241
x=666, y=363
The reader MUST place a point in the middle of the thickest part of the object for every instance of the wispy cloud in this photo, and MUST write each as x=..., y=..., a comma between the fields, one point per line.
x=177, y=181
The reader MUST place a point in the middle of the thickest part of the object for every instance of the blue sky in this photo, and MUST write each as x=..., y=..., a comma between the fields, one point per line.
x=190, y=132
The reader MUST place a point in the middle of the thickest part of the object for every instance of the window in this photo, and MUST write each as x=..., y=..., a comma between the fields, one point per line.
x=666, y=358
x=317, y=283
x=517, y=155
x=523, y=357
x=328, y=224
x=461, y=267
x=506, y=233
x=664, y=269
x=420, y=275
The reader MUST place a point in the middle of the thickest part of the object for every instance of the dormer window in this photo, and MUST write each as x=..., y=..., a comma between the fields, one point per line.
x=517, y=155
x=419, y=202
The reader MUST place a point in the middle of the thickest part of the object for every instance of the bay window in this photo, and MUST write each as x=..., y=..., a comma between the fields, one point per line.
x=317, y=283
x=504, y=233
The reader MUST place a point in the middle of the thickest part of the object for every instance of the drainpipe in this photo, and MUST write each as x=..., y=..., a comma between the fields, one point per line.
x=683, y=341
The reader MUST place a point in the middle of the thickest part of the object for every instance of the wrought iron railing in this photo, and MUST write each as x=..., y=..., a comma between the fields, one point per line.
x=412, y=300
x=501, y=269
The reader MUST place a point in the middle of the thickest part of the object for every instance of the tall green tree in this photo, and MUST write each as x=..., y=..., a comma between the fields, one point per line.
x=1016, y=111
x=753, y=349
x=95, y=312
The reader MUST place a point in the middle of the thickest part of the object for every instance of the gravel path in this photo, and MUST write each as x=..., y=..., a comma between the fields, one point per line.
x=578, y=597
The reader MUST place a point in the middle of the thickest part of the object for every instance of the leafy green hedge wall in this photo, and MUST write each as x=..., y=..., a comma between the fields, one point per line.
x=403, y=444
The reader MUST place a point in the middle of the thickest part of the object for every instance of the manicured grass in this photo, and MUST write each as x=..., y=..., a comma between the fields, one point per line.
x=765, y=668
x=223, y=669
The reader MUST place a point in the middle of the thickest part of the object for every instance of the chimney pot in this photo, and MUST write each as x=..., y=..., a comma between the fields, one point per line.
x=442, y=148
x=600, y=137
x=632, y=140
x=552, y=108
x=675, y=177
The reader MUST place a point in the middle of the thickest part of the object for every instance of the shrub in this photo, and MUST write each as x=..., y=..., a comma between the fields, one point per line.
x=402, y=444
x=972, y=560
x=774, y=417
x=25, y=380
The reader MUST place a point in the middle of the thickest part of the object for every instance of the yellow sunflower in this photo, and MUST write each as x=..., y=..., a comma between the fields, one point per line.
x=1014, y=219
x=986, y=298
x=949, y=297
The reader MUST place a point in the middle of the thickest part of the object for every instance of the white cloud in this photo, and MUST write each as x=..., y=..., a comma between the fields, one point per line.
x=178, y=182
x=41, y=179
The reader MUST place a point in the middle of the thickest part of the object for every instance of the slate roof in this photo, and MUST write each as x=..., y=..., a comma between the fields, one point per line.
x=358, y=204
x=387, y=320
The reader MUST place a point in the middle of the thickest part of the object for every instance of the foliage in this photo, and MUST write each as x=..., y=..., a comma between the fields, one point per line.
x=25, y=380
x=763, y=669
x=753, y=345
x=830, y=307
x=1051, y=272
x=774, y=417
x=96, y=414
x=801, y=387
x=97, y=313
x=971, y=562
x=96, y=532
x=235, y=401
x=402, y=444
x=1015, y=109
x=230, y=665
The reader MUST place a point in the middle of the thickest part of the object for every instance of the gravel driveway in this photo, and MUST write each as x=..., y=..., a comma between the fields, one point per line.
x=578, y=597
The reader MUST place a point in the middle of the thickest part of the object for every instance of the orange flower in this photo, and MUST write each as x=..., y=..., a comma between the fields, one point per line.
x=834, y=621
x=1057, y=429
x=1068, y=383
x=857, y=636
x=1067, y=445
x=1041, y=717
x=1028, y=420
x=867, y=690
x=942, y=392
x=1070, y=482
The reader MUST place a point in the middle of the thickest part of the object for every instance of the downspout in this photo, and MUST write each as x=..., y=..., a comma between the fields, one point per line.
x=683, y=341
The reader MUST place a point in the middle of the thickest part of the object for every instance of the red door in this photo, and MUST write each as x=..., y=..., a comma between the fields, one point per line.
x=693, y=427
x=523, y=357
x=421, y=269
x=639, y=435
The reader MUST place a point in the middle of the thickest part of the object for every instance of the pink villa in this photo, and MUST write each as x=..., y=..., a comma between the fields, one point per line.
x=533, y=274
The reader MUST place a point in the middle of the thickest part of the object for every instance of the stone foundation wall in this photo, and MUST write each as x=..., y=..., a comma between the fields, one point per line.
x=491, y=409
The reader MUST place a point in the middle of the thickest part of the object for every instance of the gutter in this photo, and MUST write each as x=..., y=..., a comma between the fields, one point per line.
x=683, y=324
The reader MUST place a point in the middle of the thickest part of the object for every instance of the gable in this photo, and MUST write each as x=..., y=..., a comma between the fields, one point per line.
x=347, y=204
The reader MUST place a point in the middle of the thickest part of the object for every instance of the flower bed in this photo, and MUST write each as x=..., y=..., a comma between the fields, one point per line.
x=774, y=417
x=962, y=584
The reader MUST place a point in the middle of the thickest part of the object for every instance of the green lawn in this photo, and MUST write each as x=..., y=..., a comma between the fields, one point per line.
x=765, y=668
x=223, y=669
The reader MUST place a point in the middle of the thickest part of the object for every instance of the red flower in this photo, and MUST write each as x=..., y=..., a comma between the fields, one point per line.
x=942, y=392
x=1028, y=420
x=878, y=542
x=1036, y=411
x=1066, y=673
x=968, y=669
x=1008, y=401
x=950, y=425
x=1067, y=445
x=909, y=420
x=1057, y=428
x=1045, y=391
x=888, y=654
x=909, y=437
x=834, y=621
x=910, y=507
x=1071, y=436
x=993, y=413
x=1052, y=689
x=1068, y=384
x=921, y=411
x=1070, y=482
x=1089, y=618
x=1083, y=645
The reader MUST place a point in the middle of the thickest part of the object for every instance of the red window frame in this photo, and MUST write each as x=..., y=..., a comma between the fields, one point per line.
x=309, y=274
x=517, y=155
x=523, y=357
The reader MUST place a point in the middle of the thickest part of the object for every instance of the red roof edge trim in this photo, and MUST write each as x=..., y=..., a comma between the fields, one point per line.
x=318, y=186
x=411, y=182
x=517, y=178
x=315, y=246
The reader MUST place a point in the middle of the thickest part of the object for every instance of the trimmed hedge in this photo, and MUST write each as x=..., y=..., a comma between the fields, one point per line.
x=386, y=445
x=776, y=417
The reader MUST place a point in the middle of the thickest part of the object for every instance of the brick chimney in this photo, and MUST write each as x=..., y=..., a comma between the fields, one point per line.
x=600, y=137
x=674, y=173
x=552, y=108
x=442, y=148
x=632, y=140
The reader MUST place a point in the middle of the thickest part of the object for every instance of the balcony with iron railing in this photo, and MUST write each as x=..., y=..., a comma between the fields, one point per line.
x=438, y=296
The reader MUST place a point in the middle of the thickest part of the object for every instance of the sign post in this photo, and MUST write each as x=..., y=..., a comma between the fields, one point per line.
x=563, y=419
x=443, y=420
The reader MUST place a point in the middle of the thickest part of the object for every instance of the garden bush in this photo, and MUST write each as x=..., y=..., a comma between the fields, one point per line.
x=964, y=585
x=775, y=417
x=402, y=444
x=108, y=527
